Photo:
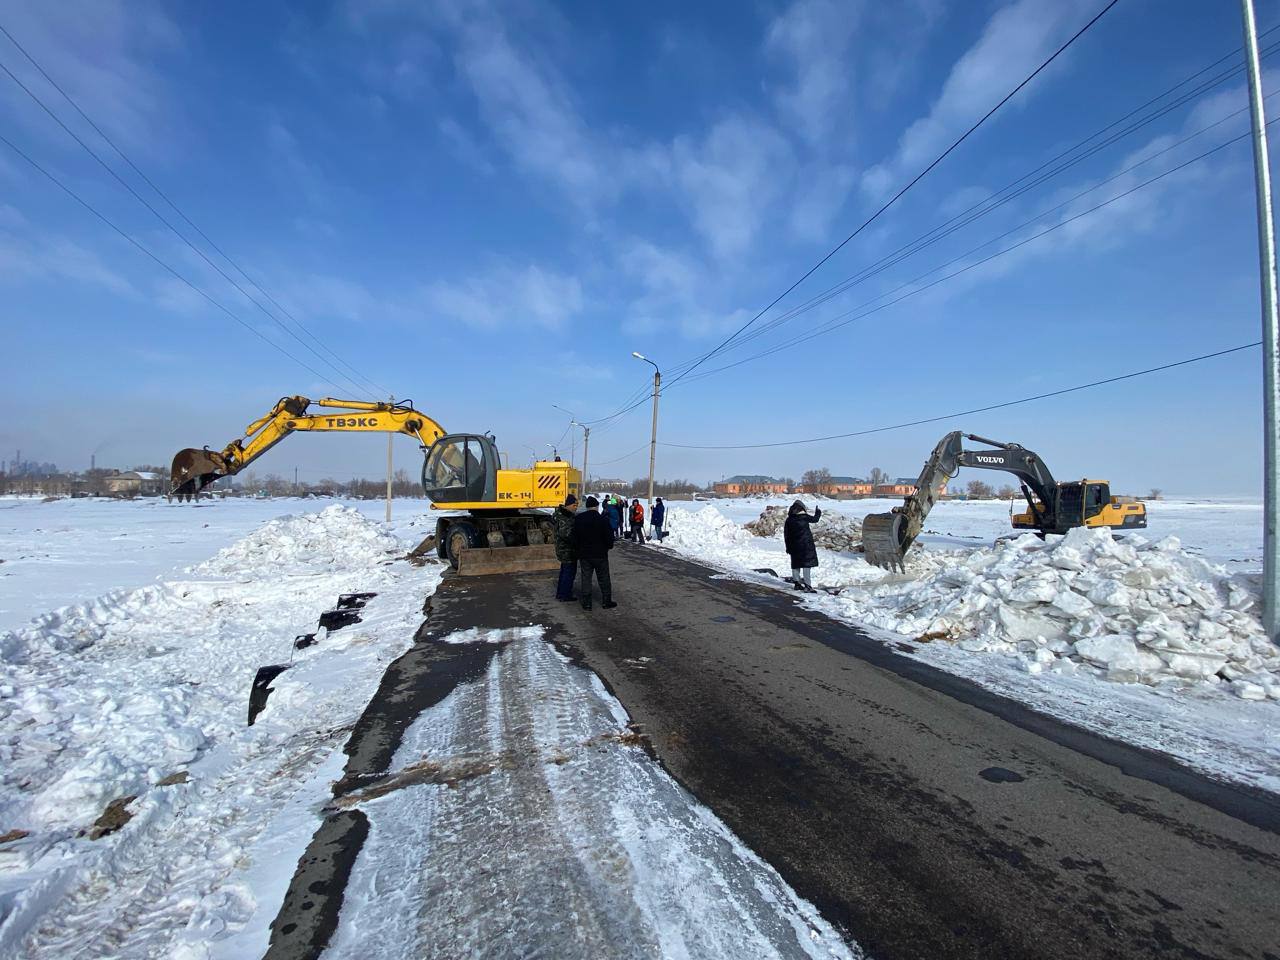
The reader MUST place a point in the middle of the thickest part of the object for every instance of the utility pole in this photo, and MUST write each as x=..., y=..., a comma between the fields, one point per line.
x=586, y=441
x=295, y=481
x=389, y=437
x=1270, y=332
x=653, y=436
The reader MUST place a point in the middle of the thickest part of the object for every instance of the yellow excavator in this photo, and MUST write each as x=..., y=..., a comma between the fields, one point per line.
x=497, y=522
x=1052, y=506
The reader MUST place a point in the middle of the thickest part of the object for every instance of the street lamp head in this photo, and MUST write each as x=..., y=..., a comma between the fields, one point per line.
x=639, y=356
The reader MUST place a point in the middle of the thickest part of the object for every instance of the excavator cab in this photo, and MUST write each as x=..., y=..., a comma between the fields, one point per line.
x=1088, y=503
x=461, y=468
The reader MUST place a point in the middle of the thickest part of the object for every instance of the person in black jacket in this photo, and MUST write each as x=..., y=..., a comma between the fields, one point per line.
x=592, y=540
x=799, y=542
x=564, y=517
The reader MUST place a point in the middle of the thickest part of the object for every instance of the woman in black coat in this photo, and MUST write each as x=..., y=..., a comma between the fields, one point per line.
x=799, y=542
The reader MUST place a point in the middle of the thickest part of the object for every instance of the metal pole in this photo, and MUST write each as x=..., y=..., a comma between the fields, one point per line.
x=586, y=442
x=653, y=437
x=1270, y=332
x=389, y=436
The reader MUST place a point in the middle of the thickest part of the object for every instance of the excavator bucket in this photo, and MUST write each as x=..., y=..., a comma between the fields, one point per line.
x=192, y=471
x=484, y=561
x=882, y=545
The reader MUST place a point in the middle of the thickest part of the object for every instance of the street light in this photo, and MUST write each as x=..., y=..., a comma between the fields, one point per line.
x=653, y=438
x=586, y=443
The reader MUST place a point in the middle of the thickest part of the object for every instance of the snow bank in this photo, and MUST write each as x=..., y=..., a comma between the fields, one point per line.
x=1126, y=610
x=143, y=693
x=336, y=538
x=1122, y=610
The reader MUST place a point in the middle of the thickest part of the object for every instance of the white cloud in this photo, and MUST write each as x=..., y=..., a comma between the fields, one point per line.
x=1015, y=41
x=54, y=257
x=729, y=179
x=507, y=297
x=814, y=37
x=102, y=53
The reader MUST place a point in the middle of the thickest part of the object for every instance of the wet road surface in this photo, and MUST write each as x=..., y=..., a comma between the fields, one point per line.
x=923, y=816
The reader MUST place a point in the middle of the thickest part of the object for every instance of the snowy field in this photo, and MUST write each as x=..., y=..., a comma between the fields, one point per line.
x=132, y=633
x=1150, y=638
x=65, y=551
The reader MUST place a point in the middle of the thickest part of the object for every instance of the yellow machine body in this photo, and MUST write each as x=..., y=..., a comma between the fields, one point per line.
x=500, y=522
x=1089, y=503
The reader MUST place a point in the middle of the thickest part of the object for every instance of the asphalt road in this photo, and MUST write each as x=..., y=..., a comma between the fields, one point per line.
x=923, y=816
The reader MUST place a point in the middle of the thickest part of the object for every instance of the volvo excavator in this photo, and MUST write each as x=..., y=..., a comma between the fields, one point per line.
x=1053, y=507
x=497, y=523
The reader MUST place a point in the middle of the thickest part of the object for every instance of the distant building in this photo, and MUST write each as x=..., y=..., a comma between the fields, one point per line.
x=745, y=485
x=135, y=483
x=901, y=487
x=843, y=487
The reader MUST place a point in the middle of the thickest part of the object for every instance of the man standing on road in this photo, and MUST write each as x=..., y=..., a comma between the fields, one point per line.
x=637, y=520
x=658, y=515
x=564, y=548
x=798, y=539
x=592, y=540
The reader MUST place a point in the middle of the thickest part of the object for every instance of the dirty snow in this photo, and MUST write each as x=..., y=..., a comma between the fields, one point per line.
x=1025, y=616
x=561, y=824
x=835, y=531
x=107, y=698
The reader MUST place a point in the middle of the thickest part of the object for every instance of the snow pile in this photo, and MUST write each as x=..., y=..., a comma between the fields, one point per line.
x=143, y=694
x=833, y=531
x=703, y=530
x=1129, y=611
x=337, y=538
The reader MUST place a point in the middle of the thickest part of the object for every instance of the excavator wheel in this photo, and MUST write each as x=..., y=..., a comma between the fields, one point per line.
x=459, y=538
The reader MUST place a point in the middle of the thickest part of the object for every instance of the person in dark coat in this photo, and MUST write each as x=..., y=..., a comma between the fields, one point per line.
x=564, y=548
x=592, y=540
x=658, y=516
x=799, y=542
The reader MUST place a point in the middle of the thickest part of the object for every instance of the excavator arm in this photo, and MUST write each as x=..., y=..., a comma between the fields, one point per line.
x=887, y=536
x=193, y=469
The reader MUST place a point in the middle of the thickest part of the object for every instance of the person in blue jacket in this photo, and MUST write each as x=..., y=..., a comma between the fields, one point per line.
x=614, y=512
x=657, y=517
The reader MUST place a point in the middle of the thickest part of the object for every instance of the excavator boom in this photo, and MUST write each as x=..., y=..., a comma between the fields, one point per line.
x=194, y=469
x=493, y=518
x=886, y=537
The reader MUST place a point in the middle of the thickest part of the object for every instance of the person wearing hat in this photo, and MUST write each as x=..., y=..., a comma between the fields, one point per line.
x=565, y=551
x=592, y=541
x=658, y=516
x=798, y=539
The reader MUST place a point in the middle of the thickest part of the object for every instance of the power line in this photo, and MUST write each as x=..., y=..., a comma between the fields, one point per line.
x=920, y=176
x=93, y=210
x=843, y=319
x=965, y=413
x=1003, y=196
x=30, y=93
x=605, y=463
x=983, y=207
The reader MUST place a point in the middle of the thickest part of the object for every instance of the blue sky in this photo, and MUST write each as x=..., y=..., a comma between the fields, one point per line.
x=486, y=207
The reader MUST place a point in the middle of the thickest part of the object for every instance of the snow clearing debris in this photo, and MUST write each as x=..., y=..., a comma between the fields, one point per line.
x=137, y=699
x=337, y=538
x=1084, y=603
x=835, y=532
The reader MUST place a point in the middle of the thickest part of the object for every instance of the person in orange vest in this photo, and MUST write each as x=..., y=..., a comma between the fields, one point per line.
x=637, y=521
